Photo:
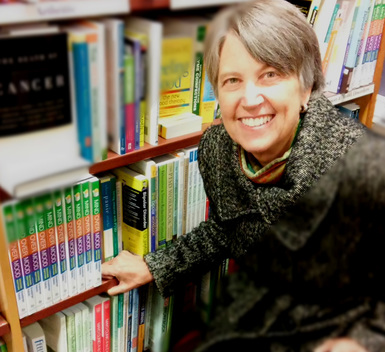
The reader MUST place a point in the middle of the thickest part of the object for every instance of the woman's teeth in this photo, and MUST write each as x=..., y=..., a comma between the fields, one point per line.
x=254, y=122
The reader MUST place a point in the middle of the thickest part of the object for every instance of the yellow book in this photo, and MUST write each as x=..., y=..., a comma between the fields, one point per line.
x=208, y=101
x=135, y=210
x=175, y=76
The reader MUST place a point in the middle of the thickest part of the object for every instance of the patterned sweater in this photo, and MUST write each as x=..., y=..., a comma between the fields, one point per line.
x=310, y=248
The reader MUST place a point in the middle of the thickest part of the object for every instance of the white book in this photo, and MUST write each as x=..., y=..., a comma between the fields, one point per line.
x=179, y=125
x=114, y=80
x=154, y=32
x=35, y=338
x=86, y=326
x=70, y=325
x=79, y=338
x=55, y=331
x=94, y=305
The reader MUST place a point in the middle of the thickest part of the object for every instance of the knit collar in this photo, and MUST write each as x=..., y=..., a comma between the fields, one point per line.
x=324, y=137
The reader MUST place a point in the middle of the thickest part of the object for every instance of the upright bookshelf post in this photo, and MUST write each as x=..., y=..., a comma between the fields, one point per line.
x=8, y=305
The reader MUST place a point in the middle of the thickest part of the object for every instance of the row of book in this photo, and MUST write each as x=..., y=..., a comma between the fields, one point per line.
x=54, y=244
x=120, y=77
x=349, y=33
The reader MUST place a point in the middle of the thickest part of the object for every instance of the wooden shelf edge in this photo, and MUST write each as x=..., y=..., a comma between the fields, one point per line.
x=149, y=151
x=146, y=5
x=106, y=284
x=4, y=326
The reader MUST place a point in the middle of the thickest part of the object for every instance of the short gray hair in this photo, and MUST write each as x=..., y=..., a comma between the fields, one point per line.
x=274, y=32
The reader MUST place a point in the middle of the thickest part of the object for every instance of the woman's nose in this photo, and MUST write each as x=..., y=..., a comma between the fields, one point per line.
x=252, y=95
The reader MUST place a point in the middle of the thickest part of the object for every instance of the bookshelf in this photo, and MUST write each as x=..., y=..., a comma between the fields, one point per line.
x=10, y=324
x=4, y=326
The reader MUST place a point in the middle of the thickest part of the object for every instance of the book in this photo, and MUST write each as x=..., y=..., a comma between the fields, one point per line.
x=101, y=107
x=96, y=231
x=94, y=305
x=154, y=32
x=358, y=25
x=208, y=102
x=148, y=168
x=70, y=326
x=85, y=329
x=115, y=84
x=62, y=242
x=106, y=319
x=35, y=106
x=106, y=184
x=35, y=338
x=14, y=257
x=78, y=321
x=135, y=210
x=55, y=331
x=179, y=125
x=175, y=80
x=3, y=346
x=350, y=109
x=71, y=236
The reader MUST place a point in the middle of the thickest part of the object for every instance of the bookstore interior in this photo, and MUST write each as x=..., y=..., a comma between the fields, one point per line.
x=125, y=127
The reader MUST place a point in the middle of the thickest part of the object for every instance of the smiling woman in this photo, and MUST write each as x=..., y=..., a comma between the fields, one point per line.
x=296, y=195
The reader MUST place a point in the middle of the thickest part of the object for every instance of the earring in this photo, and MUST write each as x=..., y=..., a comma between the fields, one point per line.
x=304, y=108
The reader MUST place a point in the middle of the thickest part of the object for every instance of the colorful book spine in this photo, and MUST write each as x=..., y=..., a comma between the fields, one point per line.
x=108, y=221
x=198, y=69
x=96, y=228
x=71, y=236
x=44, y=248
x=15, y=259
x=142, y=316
x=52, y=247
x=135, y=320
x=106, y=318
x=162, y=206
x=82, y=87
x=170, y=203
x=115, y=216
x=88, y=243
x=62, y=242
x=79, y=231
x=129, y=85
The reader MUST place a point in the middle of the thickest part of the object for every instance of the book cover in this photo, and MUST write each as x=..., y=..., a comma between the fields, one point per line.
x=135, y=210
x=78, y=319
x=148, y=168
x=176, y=73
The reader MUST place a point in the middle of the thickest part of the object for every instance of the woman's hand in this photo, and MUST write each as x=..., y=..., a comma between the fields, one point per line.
x=130, y=270
x=340, y=345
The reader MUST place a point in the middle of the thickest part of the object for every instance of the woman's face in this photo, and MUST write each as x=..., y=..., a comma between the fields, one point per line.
x=260, y=106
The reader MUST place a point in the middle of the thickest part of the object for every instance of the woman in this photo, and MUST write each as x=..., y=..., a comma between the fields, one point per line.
x=296, y=193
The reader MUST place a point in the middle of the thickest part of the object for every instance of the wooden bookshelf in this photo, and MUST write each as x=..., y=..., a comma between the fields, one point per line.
x=147, y=5
x=69, y=302
x=4, y=326
x=148, y=151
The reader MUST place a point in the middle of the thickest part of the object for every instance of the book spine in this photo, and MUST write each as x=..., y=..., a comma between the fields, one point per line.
x=86, y=319
x=62, y=242
x=96, y=232
x=208, y=101
x=52, y=248
x=198, y=69
x=79, y=235
x=120, y=321
x=82, y=87
x=71, y=244
x=114, y=324
x=129, y=82
x=108, y=241
x=114, y=216
x=142, y=317
x=138, y=91
x=129, y=321
x=176, y=200
x=71, y=336
x=162, y=205
x=45, y=260
x=97, y=328
x=120, y=65
x=88, y=243
x=135, y=320
x=15, y=260
x=119, y=215
x=170, y=203
x=93, y=56
x=141, y=67
x=107, y=325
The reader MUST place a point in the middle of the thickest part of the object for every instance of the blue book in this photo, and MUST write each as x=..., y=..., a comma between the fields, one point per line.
x=82, y=89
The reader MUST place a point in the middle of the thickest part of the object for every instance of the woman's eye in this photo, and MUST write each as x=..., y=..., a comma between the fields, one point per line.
x=271, y=74
x=232, y=80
